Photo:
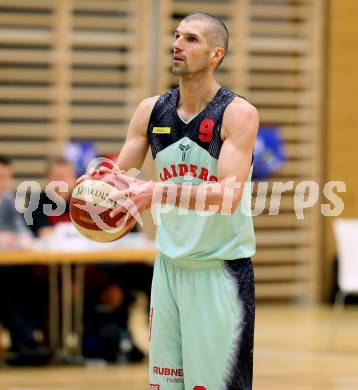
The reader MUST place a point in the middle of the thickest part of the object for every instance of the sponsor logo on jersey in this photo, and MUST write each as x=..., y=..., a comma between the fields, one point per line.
x=179, y=170
x=166, y=371
x=154, y=387
x=161, y=130
x=184, y=149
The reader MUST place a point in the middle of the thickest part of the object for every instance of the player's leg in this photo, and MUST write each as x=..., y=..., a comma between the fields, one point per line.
x=217, y=308
x=165, y=359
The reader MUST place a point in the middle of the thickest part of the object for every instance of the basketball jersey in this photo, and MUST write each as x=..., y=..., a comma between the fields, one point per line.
x=187, y=153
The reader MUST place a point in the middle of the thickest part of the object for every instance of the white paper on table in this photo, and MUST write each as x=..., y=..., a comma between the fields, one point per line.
x=66, y=237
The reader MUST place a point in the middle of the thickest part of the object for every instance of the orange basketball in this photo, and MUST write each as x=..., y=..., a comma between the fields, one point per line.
x=90, y=208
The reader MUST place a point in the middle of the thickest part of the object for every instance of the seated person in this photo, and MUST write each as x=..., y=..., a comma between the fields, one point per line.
x=23, y=296
x=106, y=298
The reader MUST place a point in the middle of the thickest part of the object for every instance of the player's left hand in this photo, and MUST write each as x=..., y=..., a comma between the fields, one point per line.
x=135, y=199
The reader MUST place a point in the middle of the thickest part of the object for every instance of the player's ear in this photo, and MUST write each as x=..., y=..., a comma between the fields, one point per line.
x=217, y=54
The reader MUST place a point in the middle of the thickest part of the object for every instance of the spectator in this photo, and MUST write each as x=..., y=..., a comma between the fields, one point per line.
x=21, y=293
x=60, y=170
x=10, y=220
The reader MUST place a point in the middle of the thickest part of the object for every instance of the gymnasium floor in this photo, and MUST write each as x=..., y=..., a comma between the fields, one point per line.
x=295, y=350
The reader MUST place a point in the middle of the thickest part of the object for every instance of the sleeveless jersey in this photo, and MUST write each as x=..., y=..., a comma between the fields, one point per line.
x=187, y=153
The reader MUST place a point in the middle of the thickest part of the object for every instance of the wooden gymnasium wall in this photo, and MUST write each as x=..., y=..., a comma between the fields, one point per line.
x=69, y=70
x=342, y=117
x=74, y=69
x=284, y=62
x=275, y=61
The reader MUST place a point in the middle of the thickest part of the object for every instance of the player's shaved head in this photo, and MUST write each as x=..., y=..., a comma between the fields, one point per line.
x=218, y=35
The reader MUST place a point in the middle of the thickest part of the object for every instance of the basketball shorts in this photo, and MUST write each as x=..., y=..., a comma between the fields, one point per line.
x=201, y=327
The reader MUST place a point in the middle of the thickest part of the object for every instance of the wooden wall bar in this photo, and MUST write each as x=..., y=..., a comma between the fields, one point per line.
x=342, y=119
x=69, y=70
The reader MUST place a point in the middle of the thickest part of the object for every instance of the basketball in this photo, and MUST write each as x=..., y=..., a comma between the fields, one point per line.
x=90, y=208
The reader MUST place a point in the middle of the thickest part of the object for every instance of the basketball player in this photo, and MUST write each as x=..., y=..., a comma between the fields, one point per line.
x=203, y=300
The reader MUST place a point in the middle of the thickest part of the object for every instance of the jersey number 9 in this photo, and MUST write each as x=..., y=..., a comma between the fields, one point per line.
x=206, y=129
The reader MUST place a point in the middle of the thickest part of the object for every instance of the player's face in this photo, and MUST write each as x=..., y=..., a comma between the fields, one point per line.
x=191, y=51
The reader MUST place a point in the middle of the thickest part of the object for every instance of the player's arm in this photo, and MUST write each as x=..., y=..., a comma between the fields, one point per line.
x=136, y=144
x=239, y=130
